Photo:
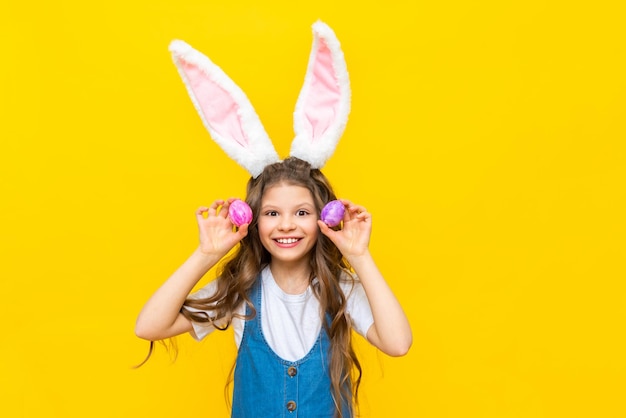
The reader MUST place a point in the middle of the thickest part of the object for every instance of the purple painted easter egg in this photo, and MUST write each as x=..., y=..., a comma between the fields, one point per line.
x=239, y=213
x=332, y=213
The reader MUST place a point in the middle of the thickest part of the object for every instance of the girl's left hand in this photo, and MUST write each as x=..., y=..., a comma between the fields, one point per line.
x=354, y=236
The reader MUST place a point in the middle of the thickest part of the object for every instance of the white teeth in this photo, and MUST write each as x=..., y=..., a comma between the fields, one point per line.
x=286, y=240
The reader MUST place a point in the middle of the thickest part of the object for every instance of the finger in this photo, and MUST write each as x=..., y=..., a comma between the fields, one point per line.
x=346, y=203
x=352, y=211
x=242, y=231
x=364, y=216
x=201, y=211
x=361, y=211
x=225, y=206
x=224, y=209
x=215, y=207
x=357, y=210
x=357, y=213
x=325, y=229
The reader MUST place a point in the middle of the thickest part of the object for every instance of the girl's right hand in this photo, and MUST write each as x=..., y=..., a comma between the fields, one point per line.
x=217, y=235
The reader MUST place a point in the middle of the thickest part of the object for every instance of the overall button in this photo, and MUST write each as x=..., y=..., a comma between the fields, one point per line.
x=291, y=406
x=292, y=371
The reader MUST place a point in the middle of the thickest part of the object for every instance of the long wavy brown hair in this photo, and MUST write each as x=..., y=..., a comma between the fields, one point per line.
x=238, y=274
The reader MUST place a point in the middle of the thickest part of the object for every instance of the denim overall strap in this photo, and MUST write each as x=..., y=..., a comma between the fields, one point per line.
x=267, y=386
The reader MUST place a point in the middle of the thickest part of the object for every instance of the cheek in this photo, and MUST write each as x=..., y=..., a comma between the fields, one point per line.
x=267, y=225
x=312, y=228
x=263, y=227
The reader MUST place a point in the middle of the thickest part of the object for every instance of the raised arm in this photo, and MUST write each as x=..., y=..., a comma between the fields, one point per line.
x=160, y=317
x=391, y=332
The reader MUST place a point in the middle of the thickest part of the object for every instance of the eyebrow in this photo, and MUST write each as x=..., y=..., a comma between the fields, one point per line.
x=299, y=205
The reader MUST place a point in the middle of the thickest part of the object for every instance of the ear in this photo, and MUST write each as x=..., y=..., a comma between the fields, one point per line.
x=224, y=109
x=324, y=103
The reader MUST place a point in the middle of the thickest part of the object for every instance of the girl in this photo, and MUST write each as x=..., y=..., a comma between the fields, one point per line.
x=289, y=295
x=295, y=288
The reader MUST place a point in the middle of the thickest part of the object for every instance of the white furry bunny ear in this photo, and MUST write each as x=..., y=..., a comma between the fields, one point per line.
x=324, y=103
x=225, y=110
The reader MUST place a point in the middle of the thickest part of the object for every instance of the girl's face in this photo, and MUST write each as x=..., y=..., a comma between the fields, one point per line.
x=288, y=223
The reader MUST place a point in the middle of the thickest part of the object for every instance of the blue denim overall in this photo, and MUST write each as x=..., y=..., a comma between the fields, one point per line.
x=266, y=386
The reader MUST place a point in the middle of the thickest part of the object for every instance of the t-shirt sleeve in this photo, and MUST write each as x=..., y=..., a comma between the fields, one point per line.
x=358, y=306
x=202, y=329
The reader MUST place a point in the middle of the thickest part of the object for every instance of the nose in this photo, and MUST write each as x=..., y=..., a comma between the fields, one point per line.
x=286, y=224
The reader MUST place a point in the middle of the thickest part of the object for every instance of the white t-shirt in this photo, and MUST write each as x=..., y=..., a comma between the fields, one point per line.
x=291, y=323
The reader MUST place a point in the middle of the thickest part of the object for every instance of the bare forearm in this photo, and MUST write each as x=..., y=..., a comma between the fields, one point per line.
x=158, y=318
x=391, y=330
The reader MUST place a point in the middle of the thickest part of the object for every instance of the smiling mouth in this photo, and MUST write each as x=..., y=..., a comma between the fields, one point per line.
x=287, y=240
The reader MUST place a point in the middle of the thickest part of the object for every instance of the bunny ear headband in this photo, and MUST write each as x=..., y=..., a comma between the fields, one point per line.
x=320, y=115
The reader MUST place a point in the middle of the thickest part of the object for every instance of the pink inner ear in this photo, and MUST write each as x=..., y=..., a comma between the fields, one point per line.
x=320, y=107
x=219, y=108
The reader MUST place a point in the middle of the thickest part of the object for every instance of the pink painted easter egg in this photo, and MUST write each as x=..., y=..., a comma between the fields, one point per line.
x=239, y=213
x=332, y=213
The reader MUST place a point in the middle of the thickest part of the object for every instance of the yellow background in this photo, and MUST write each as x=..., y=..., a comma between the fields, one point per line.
x=486, y=137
